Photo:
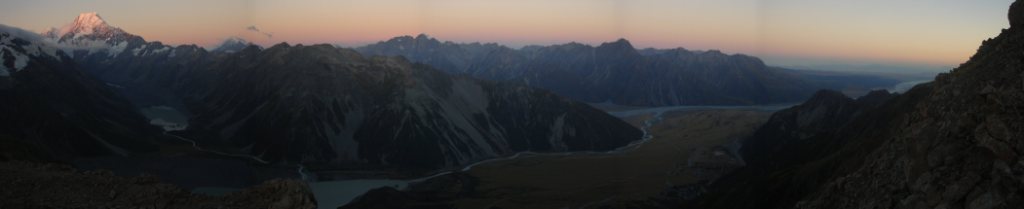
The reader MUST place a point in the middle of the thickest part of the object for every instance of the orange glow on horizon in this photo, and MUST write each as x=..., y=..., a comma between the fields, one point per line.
x=940, y=33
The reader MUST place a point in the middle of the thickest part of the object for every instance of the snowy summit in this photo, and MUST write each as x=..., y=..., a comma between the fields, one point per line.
x=87, y=29
x=85, y=23
x=233, y=44
x=91, y=32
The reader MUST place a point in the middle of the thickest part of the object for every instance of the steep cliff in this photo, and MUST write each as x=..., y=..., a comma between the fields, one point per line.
x=321, y=104
x=52, y=110
x=952, y=143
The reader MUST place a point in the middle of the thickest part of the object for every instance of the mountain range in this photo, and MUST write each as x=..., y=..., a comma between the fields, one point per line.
x=415, y=105
x=951, y=143
x=317, y=105
x=54, y=111
x=324, y=104
x=617, y=72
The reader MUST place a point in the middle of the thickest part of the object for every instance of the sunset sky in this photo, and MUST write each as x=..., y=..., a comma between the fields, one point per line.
x=784, y=32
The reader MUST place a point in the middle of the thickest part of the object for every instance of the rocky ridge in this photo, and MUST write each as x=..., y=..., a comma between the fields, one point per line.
x=322, y=104
x=952, y=143
x=58, y=111
x=617, y=72
x=335, y=107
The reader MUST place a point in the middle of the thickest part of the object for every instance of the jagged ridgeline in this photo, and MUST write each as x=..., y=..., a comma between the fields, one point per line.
x=324, y=104
x=52, y=110
x=319, y=104
x=617, y=72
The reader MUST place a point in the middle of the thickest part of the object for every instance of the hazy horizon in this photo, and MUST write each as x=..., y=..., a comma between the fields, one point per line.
x=930, y=35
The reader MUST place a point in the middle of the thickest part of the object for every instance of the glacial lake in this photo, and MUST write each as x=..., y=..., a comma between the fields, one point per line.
x=168, y=118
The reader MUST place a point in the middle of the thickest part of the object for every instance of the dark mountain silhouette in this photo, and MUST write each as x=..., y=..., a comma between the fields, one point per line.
x=952, y=143
x=619, y=73
x=324, y=104
x=328, y=106
x=53, y=111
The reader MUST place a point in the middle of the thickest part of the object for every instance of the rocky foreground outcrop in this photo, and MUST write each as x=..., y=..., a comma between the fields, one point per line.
x=952, y=143
x=42, y=185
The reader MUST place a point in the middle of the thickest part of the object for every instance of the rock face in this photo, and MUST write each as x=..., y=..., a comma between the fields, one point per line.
x=52, y=110
x=1016, y=15
x=89, y=30
x=147, y=73
x=617, y=72
x=952, y=143
x=286, y=104
x=34, y=185
x=321, y=104
x=823, y=114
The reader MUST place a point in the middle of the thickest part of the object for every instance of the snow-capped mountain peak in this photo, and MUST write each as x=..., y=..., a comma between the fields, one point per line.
x=18, y=46
x=87, y=27
x=91, y=32
x=233, y=44
x=84, y=24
